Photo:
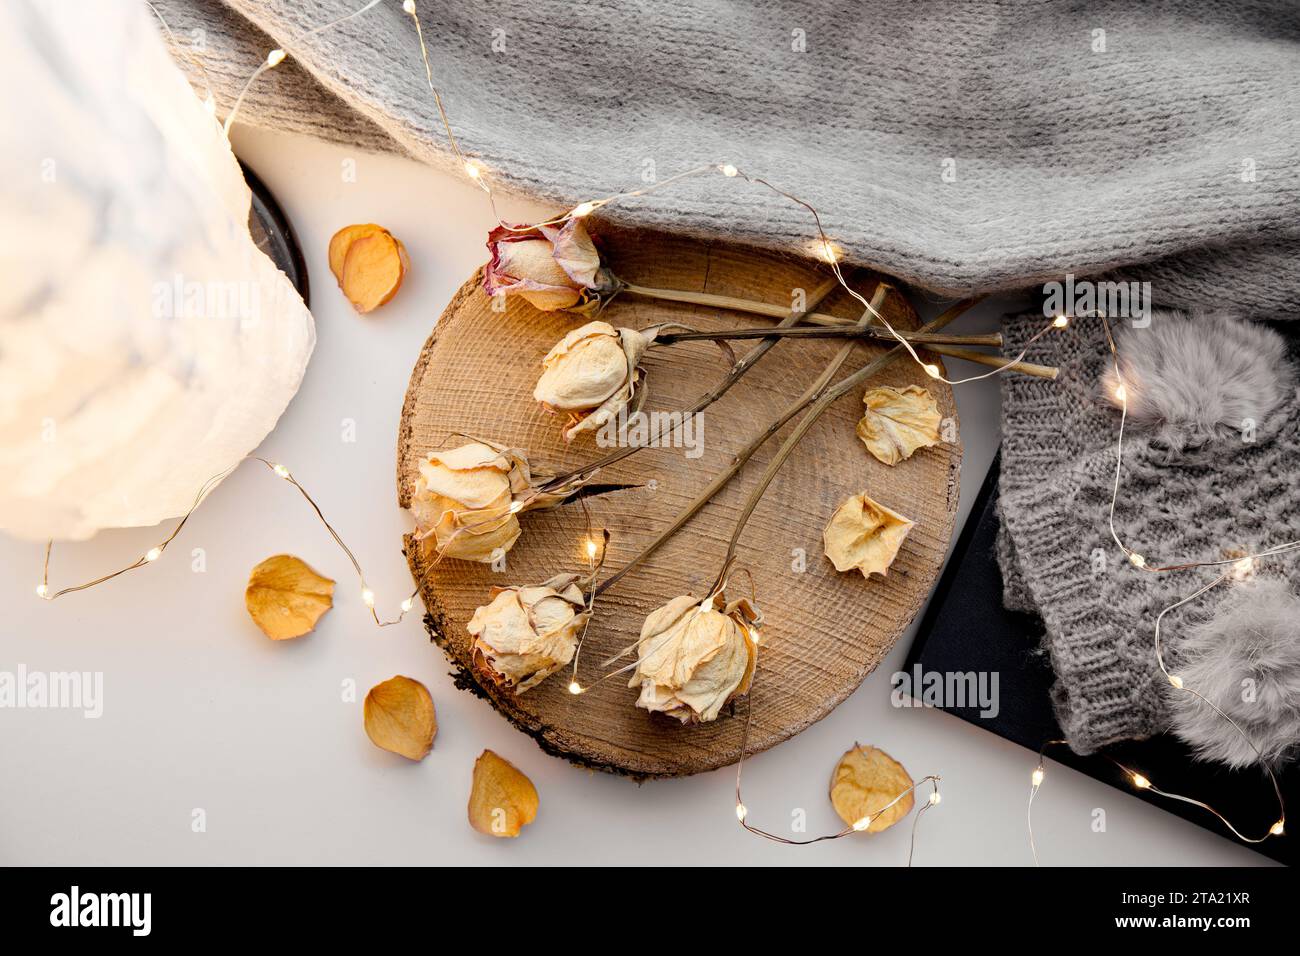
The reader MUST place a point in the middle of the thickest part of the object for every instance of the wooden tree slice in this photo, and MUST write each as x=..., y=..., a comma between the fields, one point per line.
x=824, y=631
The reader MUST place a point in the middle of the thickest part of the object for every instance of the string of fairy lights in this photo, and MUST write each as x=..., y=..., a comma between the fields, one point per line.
x=825, y=249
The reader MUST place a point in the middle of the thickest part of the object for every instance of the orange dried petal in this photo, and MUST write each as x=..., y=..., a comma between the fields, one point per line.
x=399, y=717
x=501, y=799
x=285, y=597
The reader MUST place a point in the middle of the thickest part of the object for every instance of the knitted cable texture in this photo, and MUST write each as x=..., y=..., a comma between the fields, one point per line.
x=1194, y=502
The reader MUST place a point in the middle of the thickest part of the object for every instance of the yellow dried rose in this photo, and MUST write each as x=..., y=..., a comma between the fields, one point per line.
x=864, y=535
x=899, y=421
x=692, y=659
x=399, y=717
x=525, y=634
x=466, y=498
x=285, y=597
x=502, y=801
x=592, y=373
x=864, y=782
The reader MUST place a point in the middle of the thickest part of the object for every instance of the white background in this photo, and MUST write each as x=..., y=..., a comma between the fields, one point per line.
x=202, y=711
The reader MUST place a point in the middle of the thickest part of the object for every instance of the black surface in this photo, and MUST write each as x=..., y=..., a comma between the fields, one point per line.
x=966, y=628
x=273, y=234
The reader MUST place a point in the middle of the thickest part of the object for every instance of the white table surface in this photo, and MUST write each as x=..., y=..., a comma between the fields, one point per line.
x=202, y=711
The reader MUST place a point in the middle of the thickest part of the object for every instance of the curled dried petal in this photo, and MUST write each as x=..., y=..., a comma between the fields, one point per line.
x=399, y=717
x=899, y=421
x=285, y=597
x=502, y=801
x=864, y=781
x=864, y=535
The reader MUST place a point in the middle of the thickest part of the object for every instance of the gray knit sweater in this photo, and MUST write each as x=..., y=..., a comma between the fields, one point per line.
x=965, y=146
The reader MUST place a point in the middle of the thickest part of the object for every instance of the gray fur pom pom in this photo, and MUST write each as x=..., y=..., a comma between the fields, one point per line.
x=1246, y=659
x=1191, y=377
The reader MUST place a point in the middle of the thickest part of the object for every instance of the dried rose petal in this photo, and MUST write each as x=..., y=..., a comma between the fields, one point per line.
x=864, y=535
x=864, y=781
x=899, y=421
x=399, y=717
x=285, y=597
x=502, y=801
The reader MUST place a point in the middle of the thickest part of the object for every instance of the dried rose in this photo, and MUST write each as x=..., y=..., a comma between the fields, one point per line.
x=551, y=267
x=468, y=498
x=898, y=422
x=285, y=597
x=525, y=634
x=501, y=799
x=864, y=781
x=399, y=717
x=592, y=373
x=692, y=659
x=864, y=535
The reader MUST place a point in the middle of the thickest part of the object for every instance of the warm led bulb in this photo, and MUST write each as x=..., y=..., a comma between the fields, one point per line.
x=729, y=170
x=1061, y=321
x=575, y=687
x=1276, y=829
x=406, y=605
x=1137, y=560
x=753, y=635
x=1141, y=782
x=1120, y=393
x=153, y=554
x=368, y=597
x=591, y=548
x=210, y=105
x=1037, y=777
x=935, y=798
x=583, y=209
x=1176, y=681
x=280, y=470
x=42, y=591
x=828, y=251
x=275, y=57
x=741, y=812
x=516, y=507
x=409, y=6
x=1243, y=569
x=472, y=170
x=862, y=824
x=932, y=371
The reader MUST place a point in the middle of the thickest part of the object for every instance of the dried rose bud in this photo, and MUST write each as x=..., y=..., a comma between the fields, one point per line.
x=551, y=267
x=692, y=659
x=592, y=373
x=466, y=499
x=525, y=634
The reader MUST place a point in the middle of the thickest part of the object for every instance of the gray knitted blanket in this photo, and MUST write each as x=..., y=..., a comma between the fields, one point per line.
x=965, y=147
x=962, y=146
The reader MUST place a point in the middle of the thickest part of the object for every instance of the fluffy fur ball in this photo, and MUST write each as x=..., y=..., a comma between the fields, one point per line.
x=1192, y=377
x=1246, y=659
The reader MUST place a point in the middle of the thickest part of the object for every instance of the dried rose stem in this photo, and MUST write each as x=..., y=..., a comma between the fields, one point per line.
x=820, y=318
x=737, y=371
x=828, y=332
x=824, y=401
x=809, y=395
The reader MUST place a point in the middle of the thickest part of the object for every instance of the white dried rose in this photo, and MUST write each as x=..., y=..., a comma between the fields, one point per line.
x=466, y=499
x=864, y=534
x=592, y=374
x=525, y=634
x=692, y=659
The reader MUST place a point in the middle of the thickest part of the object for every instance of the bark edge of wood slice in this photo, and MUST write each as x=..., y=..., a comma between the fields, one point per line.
x=824, y=631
